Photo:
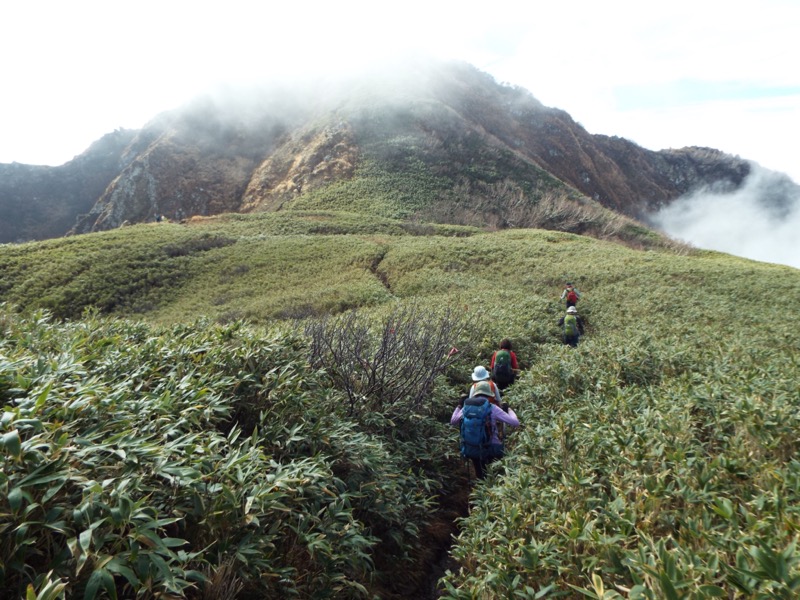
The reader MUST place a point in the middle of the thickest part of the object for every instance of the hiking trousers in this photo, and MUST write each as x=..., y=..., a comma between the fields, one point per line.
x=480, y=464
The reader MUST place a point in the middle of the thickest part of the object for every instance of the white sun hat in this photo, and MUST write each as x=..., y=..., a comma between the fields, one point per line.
x=480, y=374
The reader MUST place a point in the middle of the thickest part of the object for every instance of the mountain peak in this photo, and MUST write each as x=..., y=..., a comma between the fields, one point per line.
x=438, y=141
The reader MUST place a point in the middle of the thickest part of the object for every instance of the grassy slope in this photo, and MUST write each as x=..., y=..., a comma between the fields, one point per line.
x=687, y=356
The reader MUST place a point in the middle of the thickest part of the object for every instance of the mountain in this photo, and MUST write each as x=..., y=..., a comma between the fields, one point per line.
x=439, y=142
x=39, y=202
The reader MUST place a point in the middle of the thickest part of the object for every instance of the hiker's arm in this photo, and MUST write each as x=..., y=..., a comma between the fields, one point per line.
x=514, y=364
x=509, y=417
x=456, y=418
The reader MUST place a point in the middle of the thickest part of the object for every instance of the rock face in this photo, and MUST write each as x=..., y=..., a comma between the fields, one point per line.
x=302, y=162
x=39, y=202
x=266, y=151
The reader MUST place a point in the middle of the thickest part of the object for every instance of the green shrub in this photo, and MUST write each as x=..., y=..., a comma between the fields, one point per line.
x=140, y=461
x=643, y=474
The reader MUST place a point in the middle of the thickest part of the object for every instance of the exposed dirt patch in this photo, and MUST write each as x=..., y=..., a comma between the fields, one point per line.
x=419, y=578
x=375, y=270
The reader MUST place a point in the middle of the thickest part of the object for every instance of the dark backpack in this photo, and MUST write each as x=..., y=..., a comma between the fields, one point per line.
x=476, y=428
x=502, y=372
x=572, y=297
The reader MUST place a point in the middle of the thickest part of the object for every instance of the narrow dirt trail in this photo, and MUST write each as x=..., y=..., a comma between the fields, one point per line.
x=418, y=578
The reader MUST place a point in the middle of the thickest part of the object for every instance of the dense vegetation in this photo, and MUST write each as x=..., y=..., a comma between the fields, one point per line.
x=155, y=443
x=168, y=457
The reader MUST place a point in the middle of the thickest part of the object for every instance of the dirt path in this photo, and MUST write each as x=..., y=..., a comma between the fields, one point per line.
x=418, y=579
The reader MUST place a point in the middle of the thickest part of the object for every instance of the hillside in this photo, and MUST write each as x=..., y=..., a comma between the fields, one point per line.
x=39, y=202
x=155, y=442
x=435, y=142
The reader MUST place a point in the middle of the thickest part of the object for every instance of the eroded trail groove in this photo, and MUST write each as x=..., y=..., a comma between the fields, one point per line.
x=418, y=578
x=443, y=531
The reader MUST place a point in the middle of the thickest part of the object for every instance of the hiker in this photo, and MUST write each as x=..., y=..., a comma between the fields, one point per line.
x=504, y=365
x=570, y=294
x=478, y=419
x=480, y=374
x=573, y=326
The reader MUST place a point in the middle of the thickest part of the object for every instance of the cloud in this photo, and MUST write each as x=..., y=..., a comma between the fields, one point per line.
x=77, y=70
x=760, y=220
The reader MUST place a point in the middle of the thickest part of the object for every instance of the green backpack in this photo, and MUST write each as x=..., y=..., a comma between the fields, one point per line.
x=570, y=325
x=502, y=373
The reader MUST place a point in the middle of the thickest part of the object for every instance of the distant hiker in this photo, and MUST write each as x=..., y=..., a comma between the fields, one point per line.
x=504, y=365
x=478, y=418
x=480, y=374
x=570, y=294
x=573, y=326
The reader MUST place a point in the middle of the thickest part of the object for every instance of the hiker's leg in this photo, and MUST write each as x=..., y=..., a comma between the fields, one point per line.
x=496, y=452
x=480, y=471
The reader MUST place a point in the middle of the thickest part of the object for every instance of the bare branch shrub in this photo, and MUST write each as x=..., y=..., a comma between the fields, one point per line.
x=383, y=364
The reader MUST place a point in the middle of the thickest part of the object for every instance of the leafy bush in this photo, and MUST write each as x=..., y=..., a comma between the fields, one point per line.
x=643, y=474
x=139, y=461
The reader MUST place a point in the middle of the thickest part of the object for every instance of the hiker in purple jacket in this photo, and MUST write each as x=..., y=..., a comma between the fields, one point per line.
x=504, y=415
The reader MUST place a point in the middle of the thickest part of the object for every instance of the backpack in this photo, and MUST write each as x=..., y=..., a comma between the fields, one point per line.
x=502, y=372
x=572, y=297
x=476, y=428
x=570, y=325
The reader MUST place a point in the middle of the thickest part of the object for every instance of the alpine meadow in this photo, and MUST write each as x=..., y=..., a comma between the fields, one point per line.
x=257, y=405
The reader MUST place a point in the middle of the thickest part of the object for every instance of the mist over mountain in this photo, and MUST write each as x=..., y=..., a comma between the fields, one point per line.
x=758, y=220
x=439, y=142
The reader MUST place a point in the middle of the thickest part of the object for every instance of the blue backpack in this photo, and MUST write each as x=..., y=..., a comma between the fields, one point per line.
x=476, y=428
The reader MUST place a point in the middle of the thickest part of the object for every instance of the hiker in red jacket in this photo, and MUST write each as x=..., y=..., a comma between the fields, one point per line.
x=570, y=294
x=504, y=365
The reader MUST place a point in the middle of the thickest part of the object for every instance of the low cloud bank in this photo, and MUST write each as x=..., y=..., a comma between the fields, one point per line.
x=761, y=220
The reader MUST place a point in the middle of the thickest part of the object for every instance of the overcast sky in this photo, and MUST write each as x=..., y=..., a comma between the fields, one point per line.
x=716, y=73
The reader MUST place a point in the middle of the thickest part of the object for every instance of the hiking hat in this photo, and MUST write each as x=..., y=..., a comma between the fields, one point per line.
x=572, y=310
x=480, y=374
x=483, y=388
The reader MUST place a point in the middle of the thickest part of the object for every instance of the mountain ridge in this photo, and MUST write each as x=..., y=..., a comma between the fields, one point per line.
x=481, y=150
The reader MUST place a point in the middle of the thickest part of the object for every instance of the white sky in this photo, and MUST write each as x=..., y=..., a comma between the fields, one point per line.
x=717, y=73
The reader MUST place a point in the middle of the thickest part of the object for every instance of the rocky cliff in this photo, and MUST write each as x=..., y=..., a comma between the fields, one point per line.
x=478, y=145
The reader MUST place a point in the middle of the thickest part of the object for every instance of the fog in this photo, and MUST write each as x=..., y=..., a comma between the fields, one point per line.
x=761, y=220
